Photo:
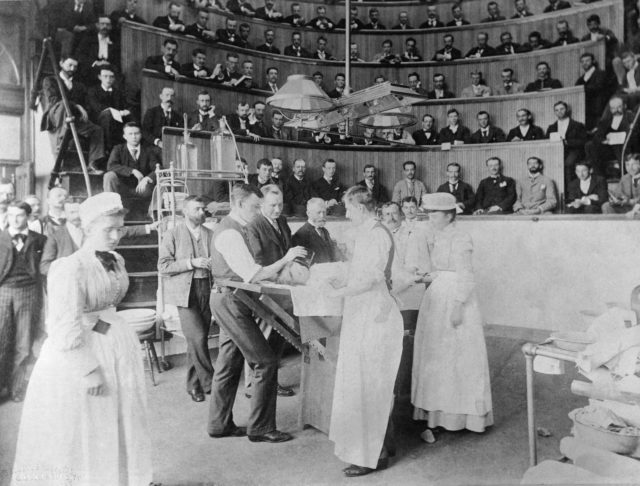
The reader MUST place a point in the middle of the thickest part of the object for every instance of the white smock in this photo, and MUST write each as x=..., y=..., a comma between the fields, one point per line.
x=450, y=379
x=369, y=355
x=66, y=436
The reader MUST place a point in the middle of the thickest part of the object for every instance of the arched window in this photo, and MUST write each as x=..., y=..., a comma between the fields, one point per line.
x=9, y=73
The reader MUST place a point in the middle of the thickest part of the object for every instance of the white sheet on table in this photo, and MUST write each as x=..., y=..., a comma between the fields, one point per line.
x=311, y=299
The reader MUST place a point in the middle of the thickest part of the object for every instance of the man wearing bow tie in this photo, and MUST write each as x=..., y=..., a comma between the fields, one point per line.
x=197, y=67
x=432, y=19
x=131, y=167
x=228, y=35
x=20, y=299
x=204, y=118
x=296, y=49
x=199, y=28
x=55, y=204
x=96, y=50
x=497, y=193
x=165, y=63
x=427, y=135
x=160, y=116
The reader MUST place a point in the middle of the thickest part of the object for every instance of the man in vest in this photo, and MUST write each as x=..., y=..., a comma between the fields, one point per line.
x=240, y=336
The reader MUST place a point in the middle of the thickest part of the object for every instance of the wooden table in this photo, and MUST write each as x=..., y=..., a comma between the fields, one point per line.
x=316, y=337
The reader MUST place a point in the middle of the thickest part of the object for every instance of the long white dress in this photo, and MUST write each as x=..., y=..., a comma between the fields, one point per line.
x=67, y=437
x=450, y=379
x=369, y=355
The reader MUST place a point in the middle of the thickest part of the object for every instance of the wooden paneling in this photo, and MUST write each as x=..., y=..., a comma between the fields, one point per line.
x=12, y=99
x=139, y=42
x=501, y=108
x=431, y=162
x=430, y=40
x=474, y=12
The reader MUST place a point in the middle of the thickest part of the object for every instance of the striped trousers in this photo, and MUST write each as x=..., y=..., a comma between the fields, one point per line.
x=19, y=315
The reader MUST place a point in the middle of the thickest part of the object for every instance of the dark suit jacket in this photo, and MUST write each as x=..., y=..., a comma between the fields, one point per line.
x=284, y=133
x=359, y=25
x=446, y=95
x=494, y=19
x=265, y=243
x=296, y=193
x=234, y=123
x=294, y=20
x=455, y=54
x=379, y=192
x=604, y=127
x=63, y=16
x=116, y=15
x=534, y=133
x=260, y=128
x=502, y=49
x=596, y=94
x=162, y=22
x=561, y=5
x=88, y=47
x=261, y=13
x=538, y=85
x=188, y=70
x=425, y=25
x=156, y=63
x=50, y=98
x=208, y=123
x=122, y=163
x=500, y=193
x=463, y=193
x=570, y=39
x=486, y=52
x=446, y=135
x=98, y=100
x=33, y=247
x=452, y=23
x=59, y=244
x=225, y=37
x=378, y=26
x=252, y=180
x=154, y=120
x=575, y=138
x=321, y=24
x=636, y=75
x=195, y=30
x=269, y=49
x=327, y=191
x=496, y=135
x=598, y=185
x=324, y=250
x=421, y=139
x=290, y=51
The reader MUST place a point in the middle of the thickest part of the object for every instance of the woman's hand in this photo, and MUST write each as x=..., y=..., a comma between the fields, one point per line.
x=424, y=278
x=94, y=382
x=456, y=314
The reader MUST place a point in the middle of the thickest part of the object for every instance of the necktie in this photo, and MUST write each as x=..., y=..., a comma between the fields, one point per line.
x=134, y=154
x=453, y=188
x=18, y=240
x=107, y=259
x=485, y=133
x=167, y=117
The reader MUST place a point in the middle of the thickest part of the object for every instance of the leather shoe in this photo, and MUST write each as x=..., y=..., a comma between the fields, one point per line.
x=284, y=391
x=234, y=431
x=273, y=437
x=92, y=169
x=196, y=395
x=353, y=471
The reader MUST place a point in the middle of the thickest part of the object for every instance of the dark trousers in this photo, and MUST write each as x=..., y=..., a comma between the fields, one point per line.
x=85, y=129
x=125, y=186
x=111, y=129
x=601, y=155
x=195, y=321
x=403, y=380
x=19, y=312
x=241, y=339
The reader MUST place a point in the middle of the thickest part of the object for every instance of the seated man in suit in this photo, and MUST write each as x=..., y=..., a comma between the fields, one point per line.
x=587, y=193
x=241, y=7
x=339, y=85
x=628, y=193
x=415, y=84
x=313, y=235
x=536, y=194
x=228, y=75
x=239, y=121
x=132, y=165
x=321, y=51
x=573, y=135
x=482, y=49
x=457, y=19
x=494, y=13
x=433, y=19
x=630, y=86
x=277, y=130
x=604, y=151
x=522, y=10
x=565, y=36
x=439, y=91
x=403, y=21
x=526, y=130
x=509, y=86
x=129, y=13
x=556, y=5
x=263, y=176
x=257, y=122
x=411, y=53
x=454, y=133
x=269, y=12
x=507, y=46
x=68, y=22
x=296, y=49
x=409, y=186
x=244, y=33
x=269, y=39
x=497, y=193
x=295, y=19
x=199, y=29
x=355, y=23
x=596, y=89
x=272, y=80
x=387, y=56
x=228, y=35
x=477, y=89
x=487, y=132
x=279, y=173
x=197, y=67
x=544, y=80
x=163, y=115
x=165, y=63
x=428, y=134
x=374, y=20
x=107, y=107
x=378, y=191
x=172, y=21
x=297, y=190
x=97, y=49
x=535, y=42
x=463, y=192
x=204, y=118
x=329, y=189
x=321, y=21
x=448, y=52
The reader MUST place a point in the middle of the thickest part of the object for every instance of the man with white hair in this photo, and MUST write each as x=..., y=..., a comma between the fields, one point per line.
x=315, y=237
x=34, y=223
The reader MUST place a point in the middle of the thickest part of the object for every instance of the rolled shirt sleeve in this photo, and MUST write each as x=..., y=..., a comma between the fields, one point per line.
x=234, y=250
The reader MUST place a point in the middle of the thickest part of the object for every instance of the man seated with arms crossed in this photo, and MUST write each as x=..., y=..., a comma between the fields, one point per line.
x=314, y=236
x=497, y=193
x=628, y=194
x=132, y=165
x=587, y=193
x=409, y=186
x=240, y=338
x=537, y=195
x=463, y=192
